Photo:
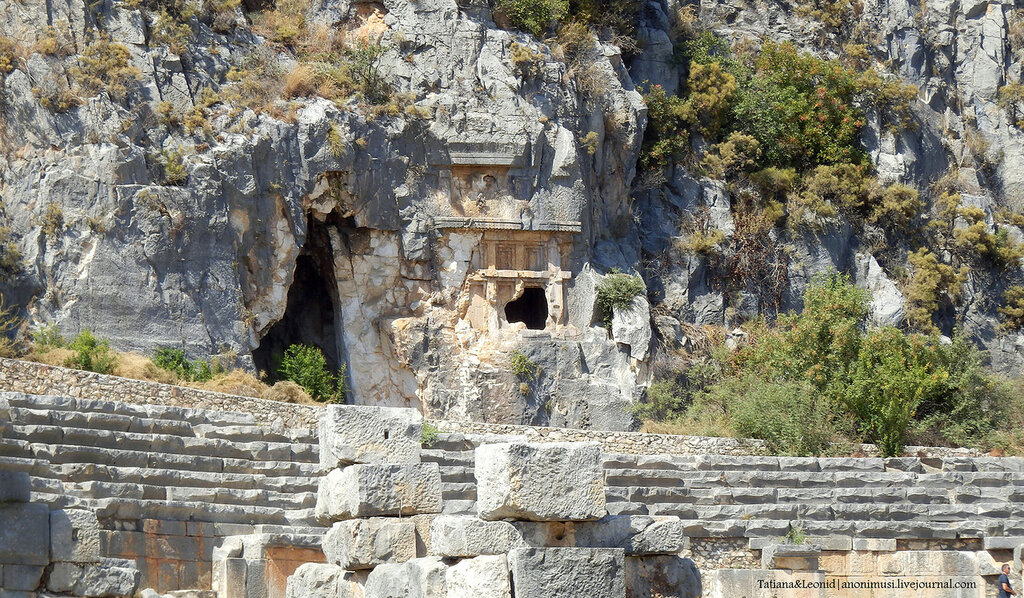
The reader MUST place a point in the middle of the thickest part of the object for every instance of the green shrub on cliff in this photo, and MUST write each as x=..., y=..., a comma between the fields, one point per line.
x=617, y=290
x=819, y=377
x=174, y=360
x=535, y=16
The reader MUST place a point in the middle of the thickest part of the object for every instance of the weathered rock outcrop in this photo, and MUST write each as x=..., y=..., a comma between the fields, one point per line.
x=394, y=243
x=420, y=248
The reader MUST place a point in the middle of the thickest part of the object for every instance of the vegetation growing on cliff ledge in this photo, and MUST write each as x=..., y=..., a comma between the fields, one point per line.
x=819, y=377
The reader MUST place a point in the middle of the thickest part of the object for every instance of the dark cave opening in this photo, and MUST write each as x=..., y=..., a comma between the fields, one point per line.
x=310, y=312
x=531, y=309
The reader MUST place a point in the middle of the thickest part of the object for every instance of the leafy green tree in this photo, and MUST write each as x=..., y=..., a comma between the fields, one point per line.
x=819, y=345
x=893, y=375
x=535, y=16
x=91, y=354
x=306, y=366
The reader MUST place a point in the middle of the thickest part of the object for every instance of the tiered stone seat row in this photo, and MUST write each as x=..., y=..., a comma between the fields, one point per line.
x=729, y=496
x=166, y=483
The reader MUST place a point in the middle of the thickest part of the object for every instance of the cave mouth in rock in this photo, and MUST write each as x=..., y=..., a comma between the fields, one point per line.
x=309, y=315
x=531, y=308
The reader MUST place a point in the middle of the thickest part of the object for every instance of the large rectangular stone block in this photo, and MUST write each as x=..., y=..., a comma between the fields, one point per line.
x=418, y=578
x=366, y=543
x=636, y=534
x=321, y=580
x=667, y=576
x=463, y=536
x=547, y=572
x=365, y=434
x=558, y=481
x=110, y=577
x=229, y=577
x=74, y=536
x=379, y=490
x=15, y=486
x=479, y=577
x=20, y=577
x=25, y=534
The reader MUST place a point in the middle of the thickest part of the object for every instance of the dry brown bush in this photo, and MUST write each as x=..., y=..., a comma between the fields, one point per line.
x=288, y=392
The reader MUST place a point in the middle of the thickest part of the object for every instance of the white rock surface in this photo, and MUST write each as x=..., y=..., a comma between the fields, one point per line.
x=322, y=580
x=364, y=434
x=366, y=543
x=376, y=490
x=74, y=536
x=418, y=578
x=461, y=536
x=632, y=326
x=540, y=481
x=479, y=577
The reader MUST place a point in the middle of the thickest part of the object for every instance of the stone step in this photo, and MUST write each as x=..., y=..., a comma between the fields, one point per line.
x=809, y=480
x=59, y=500
x=458, y=473
x=458, y=491
x=14, y=447
x=217, y=495
x=453, y=443
x=174, y=510
x=448, y=459
x=81, y=472
x=30, y=465
x=24, y=416
x=251, y=433
x=459, y=507
x=156, y=411
x=87, y=446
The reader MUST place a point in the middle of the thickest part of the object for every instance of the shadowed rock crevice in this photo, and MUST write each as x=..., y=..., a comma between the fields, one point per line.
x=531, y=308
x=312, y=314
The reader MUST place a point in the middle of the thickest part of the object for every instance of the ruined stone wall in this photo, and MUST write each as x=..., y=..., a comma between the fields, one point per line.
x=223, y=506
x=642, y=443
x=37, y=378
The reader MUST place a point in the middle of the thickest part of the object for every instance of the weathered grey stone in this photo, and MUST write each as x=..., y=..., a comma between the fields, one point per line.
x=540, y=482
x=20, y=577
x=875, y=544
x=229, y=577
x=256, y=578
x=460, y=536
x=479, y=577
x=546, y=572
x=667, y=576
x=418, y=578
x=374, y=490
x=25, y=534
x=109, y=577
x=886, y=307
x=366, y=434
x=74, y=536
x=366, y=543
x=636, y=534
x=632, y=326
x=321, y=580
x=15, y=486
x=795, y=557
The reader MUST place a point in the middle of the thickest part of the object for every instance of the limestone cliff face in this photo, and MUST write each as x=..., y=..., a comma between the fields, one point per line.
x=409, y=245
x=958, y=55
x=393, y=242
